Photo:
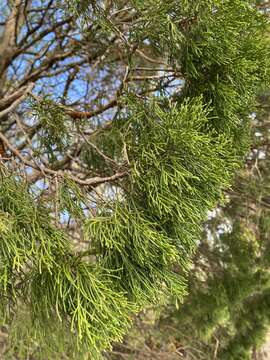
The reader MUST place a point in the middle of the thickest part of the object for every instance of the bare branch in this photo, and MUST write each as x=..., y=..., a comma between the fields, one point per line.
x=26, y=91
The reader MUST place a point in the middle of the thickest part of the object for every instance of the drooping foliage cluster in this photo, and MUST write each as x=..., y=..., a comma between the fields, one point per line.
x=226, y=312
x=231, y=303
x=100, y=216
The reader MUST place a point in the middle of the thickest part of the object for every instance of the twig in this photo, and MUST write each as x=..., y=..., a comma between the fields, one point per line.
x=9, y=99
x=216, y=349
x=18, y=101
x=88, y=182
x=105, y=157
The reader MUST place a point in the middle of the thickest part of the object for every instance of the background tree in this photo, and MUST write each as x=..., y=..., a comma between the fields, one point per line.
x=122, y=123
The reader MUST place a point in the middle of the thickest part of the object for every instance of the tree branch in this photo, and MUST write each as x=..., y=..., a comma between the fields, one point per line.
x=26, y=91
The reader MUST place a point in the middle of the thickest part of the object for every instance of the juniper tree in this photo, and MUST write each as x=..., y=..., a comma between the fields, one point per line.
x=122, y=124
x=226, y=313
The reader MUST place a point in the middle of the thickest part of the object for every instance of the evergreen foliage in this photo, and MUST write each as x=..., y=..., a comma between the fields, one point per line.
x=54, y=132
x=226, y=312
x=136, y=184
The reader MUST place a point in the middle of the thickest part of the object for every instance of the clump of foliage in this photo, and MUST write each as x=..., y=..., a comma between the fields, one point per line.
x=226, y=312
